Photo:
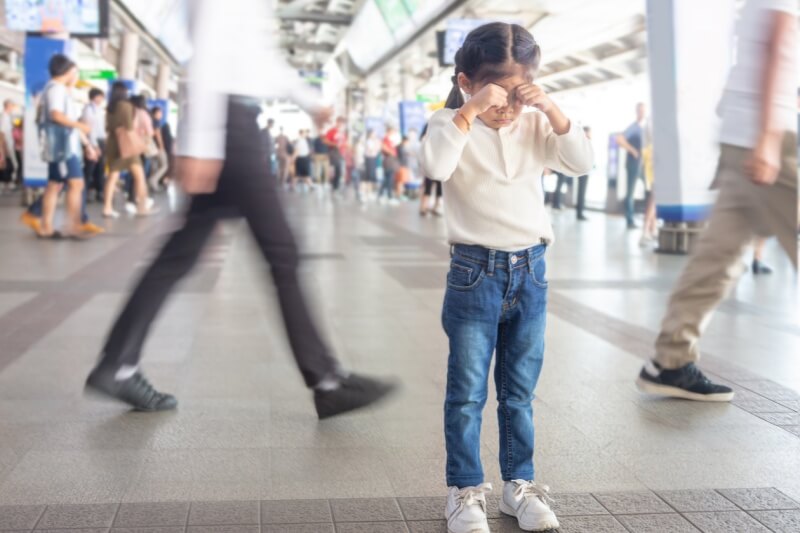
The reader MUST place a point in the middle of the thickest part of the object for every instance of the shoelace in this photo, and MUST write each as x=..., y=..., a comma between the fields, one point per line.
x=526, y=489
x=475, y=495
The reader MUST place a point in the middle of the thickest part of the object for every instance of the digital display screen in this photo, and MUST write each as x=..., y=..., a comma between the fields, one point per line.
x=76, y=17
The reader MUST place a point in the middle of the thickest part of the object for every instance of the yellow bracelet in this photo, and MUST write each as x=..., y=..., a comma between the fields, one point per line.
x=464, y=118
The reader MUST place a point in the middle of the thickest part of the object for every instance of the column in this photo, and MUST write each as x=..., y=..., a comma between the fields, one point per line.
x=690, y=53
x=129, y=56
x=162, y=82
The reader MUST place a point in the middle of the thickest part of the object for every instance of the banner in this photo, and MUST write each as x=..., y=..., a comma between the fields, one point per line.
x=412, y=116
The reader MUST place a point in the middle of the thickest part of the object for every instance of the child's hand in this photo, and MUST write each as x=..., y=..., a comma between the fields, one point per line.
x=534, y=96
x=490, y=96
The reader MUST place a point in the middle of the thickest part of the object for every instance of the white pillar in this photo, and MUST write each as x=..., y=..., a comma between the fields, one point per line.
x=162, y=82
x=129, y=56
x=690, y=52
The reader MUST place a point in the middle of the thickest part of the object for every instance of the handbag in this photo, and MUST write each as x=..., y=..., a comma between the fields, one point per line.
x=130, y=144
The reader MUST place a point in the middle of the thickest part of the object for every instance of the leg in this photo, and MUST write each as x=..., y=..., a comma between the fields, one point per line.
x=108, y=193
x=582, y=183
x=562, y=179
x=140, y=189
x=75, y=204
x=469, y=317
x=49, y=200
x=174, y=261
x=259, y=202
x=632, y=173
x=711, y=272
x=520, y=354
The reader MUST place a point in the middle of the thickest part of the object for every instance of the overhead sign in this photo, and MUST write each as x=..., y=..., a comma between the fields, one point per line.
x=98, y=74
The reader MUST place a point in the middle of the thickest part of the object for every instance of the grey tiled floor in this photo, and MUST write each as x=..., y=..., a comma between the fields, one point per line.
x=693, y=511
x=246, y=429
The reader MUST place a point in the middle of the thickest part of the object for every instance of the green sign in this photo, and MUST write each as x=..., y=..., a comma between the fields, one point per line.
x=395, y=12
x=428, y=98
x=98, y=74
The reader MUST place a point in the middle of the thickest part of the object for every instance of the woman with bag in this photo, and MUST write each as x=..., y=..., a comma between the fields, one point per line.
x=123, y=151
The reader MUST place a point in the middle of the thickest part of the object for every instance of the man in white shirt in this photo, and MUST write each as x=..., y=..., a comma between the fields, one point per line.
x=221, y=164
x=757, y=181
x=9, y=171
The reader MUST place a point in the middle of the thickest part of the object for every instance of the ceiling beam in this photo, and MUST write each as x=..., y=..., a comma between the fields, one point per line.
x=601, y=63
x=333, y=19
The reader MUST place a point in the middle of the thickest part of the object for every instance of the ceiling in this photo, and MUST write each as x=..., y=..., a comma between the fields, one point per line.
x=311, y=30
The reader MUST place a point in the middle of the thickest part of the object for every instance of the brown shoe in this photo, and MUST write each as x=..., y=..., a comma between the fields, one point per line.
x=33, y=222
x=91, y=229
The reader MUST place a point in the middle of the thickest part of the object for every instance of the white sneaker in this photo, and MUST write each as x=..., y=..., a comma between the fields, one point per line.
x=130, y=208
x=466, y=509
x=530, y=504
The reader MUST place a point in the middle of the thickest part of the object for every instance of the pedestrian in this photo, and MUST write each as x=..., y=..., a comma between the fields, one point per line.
x=9, y=164
x=94, y=114
x=499, y=230
x=57, y=117
x=302, y=162
x=221, y=165
x=284, y=157
x=124, y=149
x=161, y=158
x=631, y=141
x=757, y=182
x=336, y=141
x=372, y=150
x=390, y=165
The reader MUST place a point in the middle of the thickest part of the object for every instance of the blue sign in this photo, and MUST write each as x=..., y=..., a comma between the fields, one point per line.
x=455, y=34
x=376, y=124
x=412, y=116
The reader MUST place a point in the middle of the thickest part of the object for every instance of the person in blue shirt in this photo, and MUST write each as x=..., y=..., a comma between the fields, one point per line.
x=631, y=141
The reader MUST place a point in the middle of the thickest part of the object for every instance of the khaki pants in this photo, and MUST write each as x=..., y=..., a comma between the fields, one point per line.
x=743, y=212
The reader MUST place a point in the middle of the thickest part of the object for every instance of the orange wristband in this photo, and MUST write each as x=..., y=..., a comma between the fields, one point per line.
x=464, y=118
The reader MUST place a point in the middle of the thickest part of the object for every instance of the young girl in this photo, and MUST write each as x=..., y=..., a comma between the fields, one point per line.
x=490, y=157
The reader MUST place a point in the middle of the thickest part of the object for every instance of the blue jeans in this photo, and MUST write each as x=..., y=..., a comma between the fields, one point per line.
x=633, y=169
x=495, y=301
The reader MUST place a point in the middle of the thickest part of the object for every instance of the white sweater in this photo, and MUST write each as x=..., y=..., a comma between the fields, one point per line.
x=493, y=178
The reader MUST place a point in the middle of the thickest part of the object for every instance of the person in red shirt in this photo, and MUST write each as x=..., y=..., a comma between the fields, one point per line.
x=390, y=163
x=336, y=139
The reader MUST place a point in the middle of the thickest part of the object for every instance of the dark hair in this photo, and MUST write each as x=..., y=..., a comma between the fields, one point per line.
x=487, y=53
x=156, y=109
x=119, y=93
x=95, y=92
x=60, y=65
x=139, y=101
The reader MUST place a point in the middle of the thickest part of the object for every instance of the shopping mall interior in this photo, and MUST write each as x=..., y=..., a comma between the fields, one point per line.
x=246, y=450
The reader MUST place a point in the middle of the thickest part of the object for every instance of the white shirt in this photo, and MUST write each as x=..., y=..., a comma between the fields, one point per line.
x=740, y=107
x=493, y=178
x=96, y=117
x=302, y=148
x=234, y=53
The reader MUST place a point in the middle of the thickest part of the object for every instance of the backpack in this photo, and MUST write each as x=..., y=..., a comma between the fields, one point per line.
x=53, y=138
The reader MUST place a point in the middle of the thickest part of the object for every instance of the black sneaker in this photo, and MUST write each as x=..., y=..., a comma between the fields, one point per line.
x=136, y=391
x=687, y=382
x=354, y=392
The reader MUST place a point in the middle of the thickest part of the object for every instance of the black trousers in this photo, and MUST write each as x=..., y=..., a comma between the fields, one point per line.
x=582, y=182
x=94, y=172
x=244, y=190
x=562, y=180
